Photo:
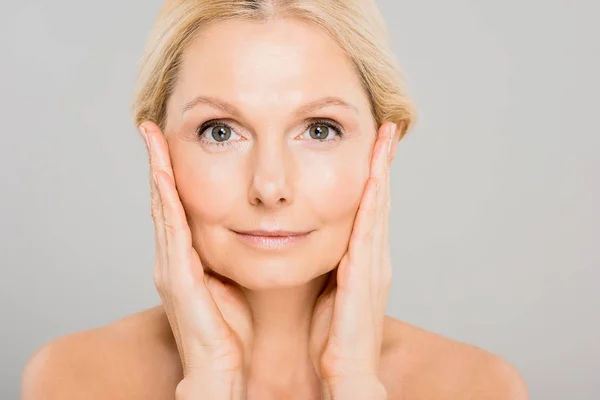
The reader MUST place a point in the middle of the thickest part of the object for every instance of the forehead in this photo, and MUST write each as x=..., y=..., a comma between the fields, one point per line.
x=280, y=63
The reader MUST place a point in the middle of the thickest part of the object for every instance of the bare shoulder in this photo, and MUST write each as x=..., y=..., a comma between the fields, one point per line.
x=418, y=364
x=133, y=358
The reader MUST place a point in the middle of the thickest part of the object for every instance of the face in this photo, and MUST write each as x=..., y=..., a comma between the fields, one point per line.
x=270, y=136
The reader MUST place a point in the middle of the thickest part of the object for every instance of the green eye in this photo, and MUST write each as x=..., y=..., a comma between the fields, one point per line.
x=217, y=133
x=221, y=133
x=319, y=132
x=323, y=130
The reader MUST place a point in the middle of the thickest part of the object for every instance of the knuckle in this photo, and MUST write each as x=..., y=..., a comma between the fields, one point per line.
x=154, y=211
x=155, y=205
x=170, y=228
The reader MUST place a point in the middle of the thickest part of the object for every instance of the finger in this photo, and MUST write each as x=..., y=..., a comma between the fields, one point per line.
x=160, y=150
x=387, y=265
x=382, y=173
x=354, y=274
x=380, y=158
x=161, y=265
x=381, y=267
x=158, y=218
x=177, y=231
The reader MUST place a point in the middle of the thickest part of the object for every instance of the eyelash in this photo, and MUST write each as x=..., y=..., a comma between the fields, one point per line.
x=317, y=122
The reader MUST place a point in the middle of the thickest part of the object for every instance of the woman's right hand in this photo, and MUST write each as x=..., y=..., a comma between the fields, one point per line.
x=210, y=319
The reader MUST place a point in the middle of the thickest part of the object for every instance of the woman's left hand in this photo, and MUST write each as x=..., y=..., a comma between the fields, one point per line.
x=347, y=322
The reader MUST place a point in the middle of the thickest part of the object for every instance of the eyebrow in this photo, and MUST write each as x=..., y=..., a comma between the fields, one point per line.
x=304, y=109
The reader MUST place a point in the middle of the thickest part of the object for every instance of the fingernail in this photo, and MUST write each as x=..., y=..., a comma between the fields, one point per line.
x=391, y=139
x=145, y=136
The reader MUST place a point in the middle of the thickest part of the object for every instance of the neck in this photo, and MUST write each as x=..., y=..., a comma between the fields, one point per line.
x=281, y=319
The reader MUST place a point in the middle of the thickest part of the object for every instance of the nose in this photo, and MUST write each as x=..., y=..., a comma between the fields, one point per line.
x=272, y=174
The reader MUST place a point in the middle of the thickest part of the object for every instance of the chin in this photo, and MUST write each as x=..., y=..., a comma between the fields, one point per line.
x=263, y=273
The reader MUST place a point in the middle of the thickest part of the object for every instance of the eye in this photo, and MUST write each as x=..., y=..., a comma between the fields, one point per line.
x=217, y=132
x=323, y=130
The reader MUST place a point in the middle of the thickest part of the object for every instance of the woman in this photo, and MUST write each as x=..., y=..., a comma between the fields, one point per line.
x=270, y=128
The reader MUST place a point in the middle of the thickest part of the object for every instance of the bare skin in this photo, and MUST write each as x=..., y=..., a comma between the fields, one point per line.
x=271, y=174
x=136, y=358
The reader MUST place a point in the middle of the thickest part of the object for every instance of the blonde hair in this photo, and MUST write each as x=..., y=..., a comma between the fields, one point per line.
x=356, y=25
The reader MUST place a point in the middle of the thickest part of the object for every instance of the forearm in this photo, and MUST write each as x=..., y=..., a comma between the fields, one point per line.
x=217, y=387
x=369, y=388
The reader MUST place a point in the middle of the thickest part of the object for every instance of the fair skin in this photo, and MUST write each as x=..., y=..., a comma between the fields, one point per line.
x=290, y=342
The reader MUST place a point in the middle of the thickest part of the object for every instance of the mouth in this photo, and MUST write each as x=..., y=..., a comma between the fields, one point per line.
x=271, y=239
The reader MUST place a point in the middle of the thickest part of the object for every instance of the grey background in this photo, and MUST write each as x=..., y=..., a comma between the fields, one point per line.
x=495, y=223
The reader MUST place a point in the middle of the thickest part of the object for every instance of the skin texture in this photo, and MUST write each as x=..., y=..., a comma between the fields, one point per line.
x=273, y=175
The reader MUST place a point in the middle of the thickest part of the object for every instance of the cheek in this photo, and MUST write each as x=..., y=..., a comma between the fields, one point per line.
x=206, y=188
x=334, y=186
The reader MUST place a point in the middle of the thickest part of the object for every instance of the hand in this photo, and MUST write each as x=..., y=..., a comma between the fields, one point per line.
x=210, y=319
x=347, y=322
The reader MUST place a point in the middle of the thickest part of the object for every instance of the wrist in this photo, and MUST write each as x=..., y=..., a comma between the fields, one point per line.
x=217, y=386
x=369, y=387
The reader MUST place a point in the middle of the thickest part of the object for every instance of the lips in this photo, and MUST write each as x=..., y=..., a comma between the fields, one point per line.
x=277, y=233
x=277, y=239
